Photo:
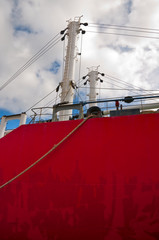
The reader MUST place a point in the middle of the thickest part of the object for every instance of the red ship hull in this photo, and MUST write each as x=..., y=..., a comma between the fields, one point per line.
x=101, y=183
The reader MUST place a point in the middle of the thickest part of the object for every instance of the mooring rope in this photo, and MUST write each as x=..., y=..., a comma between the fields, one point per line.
x=46, y=154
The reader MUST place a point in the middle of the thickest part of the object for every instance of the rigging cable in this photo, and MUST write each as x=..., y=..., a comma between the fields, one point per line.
x=80, y=62
x=63, y=63
x=78, y=95
x=118, y=86
x=122, y=34
x=53, y=100
x=40, y=100
x=133, y=88
x=125, y=89
x=121, y=26
x=57, y=96
x=124, y=83
x=125, y=28
x=129, y=30
x=136, y=88
x=41, y=52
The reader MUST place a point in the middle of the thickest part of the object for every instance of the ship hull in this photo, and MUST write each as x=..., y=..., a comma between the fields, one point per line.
x=101, y=183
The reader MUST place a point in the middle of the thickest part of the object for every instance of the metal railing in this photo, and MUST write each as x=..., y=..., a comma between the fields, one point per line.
x=107, y=106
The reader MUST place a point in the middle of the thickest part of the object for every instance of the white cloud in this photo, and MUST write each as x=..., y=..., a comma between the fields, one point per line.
x=44, y=19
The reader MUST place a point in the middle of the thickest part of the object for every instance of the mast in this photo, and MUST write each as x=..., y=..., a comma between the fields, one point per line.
x=68, y=85
x=93, y=77
x=92, y=80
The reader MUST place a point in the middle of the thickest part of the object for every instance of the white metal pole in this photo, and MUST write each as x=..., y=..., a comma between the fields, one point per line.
x=23, y=119
x=3, y=126
x=93, y=75
x=67, y=90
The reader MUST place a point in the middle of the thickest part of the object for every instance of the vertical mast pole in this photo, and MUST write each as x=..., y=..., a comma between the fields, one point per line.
x=93, y=78
x=67, y=83
x=93, y=82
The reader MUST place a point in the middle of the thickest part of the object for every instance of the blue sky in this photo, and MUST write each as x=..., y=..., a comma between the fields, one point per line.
x=26, y=26
x=10, y=124
x=23, y=28
x=54, y=67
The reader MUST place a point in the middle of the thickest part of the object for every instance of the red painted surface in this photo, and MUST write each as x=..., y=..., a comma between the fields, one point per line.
x=101, y=183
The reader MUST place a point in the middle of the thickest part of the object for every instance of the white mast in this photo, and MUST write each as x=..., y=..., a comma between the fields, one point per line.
x=67, y=83
x=92, y=79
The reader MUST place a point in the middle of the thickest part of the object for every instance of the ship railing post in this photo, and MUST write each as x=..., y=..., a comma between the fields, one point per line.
x=3, y=126
x=23, y=119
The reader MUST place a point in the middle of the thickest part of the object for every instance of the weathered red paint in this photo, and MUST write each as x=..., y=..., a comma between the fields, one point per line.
x=101, y=183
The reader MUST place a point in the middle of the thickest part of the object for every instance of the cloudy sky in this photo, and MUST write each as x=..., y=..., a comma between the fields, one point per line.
x=27, y=25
